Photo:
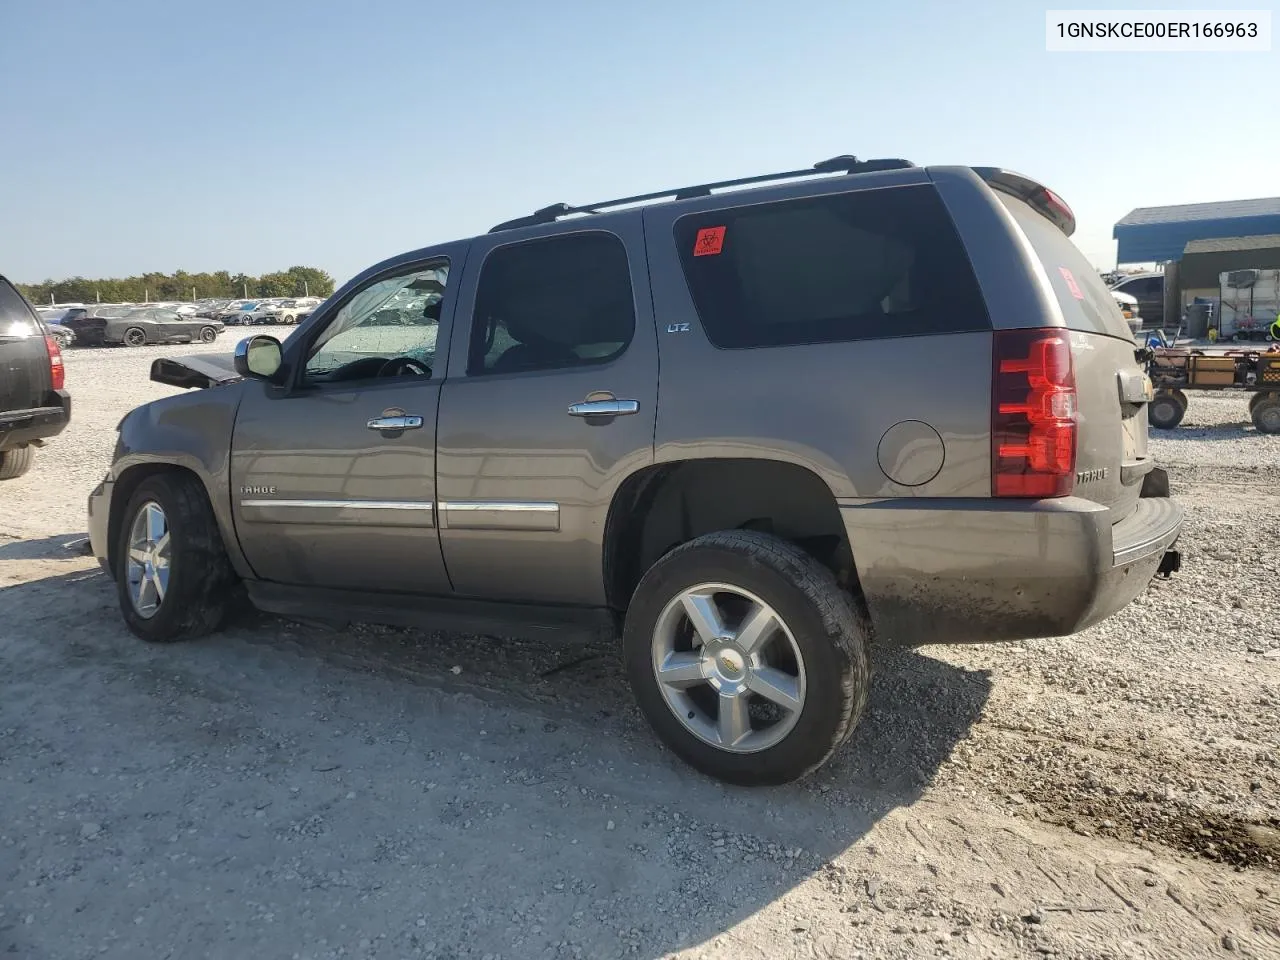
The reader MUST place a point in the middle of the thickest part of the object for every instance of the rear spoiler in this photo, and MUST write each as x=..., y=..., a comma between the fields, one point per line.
x=197, y=371
x=1037, y=195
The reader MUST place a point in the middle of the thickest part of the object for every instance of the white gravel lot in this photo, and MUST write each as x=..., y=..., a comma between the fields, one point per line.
x=290, y=791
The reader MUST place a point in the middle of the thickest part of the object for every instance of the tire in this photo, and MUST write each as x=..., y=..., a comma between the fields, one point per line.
x=1253, y=401
x=1265, y=413
x=1165, y=411
x=288, y=319
x=199, y=589
x=135, y=337
x=208, y=334
x=824, y=636
x=14, y=463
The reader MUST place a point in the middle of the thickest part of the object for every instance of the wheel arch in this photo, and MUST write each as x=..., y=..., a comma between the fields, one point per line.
x=661, y=506
x=119, y=332
x=133, y=475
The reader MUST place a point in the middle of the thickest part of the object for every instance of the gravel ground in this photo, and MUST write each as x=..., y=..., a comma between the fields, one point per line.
x=287, y=791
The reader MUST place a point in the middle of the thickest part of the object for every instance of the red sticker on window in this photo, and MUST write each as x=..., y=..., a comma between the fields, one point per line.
x=710, y=242
x=1071, y=283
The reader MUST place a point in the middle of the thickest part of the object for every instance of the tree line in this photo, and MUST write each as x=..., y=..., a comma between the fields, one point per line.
x=149, y=287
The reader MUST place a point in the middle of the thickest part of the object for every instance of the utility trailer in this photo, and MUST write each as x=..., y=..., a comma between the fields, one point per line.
x=1174, y=370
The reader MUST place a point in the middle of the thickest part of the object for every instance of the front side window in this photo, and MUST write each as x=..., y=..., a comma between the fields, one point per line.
x=387, y=328
x=848, y=266
x=563, y=301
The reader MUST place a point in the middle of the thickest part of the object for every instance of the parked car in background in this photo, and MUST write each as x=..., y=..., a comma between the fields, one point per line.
x=53, y=324
x=266, y=310
x=34, y=403
x=1129, y=310
x=307, y=309
x=234, y=312
x=490, y=446
x=210, y=307
x=136, y=326
x=287, y=311
x=1148, y=290
x=64, y=335
x=66, y=315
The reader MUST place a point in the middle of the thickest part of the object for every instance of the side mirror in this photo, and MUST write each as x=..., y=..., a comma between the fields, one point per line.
x=259, y=357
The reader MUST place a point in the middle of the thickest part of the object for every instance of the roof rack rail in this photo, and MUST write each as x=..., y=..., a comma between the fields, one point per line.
x=844, y=164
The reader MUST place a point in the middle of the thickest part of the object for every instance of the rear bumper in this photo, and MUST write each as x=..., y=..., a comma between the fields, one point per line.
x=976, y=571
x=99, y=520
x=20, y=427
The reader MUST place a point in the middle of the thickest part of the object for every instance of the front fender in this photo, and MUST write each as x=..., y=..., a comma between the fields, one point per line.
x=191, y=431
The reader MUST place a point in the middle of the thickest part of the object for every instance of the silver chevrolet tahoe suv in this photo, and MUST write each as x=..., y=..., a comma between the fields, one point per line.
x=749, y=426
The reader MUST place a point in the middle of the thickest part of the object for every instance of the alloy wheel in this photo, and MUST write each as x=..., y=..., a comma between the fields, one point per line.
x=147, y=566
x=728, y=667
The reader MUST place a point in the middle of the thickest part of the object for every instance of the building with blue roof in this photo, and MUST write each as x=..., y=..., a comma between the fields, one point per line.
x=1161, y=234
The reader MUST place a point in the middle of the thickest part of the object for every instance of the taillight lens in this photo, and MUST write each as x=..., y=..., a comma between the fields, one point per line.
x=1058, y=205
x=1033, y=414
x=57, y=372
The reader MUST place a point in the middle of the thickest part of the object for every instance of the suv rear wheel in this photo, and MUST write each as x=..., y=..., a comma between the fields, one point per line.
x=747, y=657
x=14, y=463
x=172, y=573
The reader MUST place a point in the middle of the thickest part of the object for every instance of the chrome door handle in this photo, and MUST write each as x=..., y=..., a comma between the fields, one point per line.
x=395, y=423
x=604, y=408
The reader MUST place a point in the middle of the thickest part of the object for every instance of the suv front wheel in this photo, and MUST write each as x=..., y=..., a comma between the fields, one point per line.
x=747, y=657
x=172, y=573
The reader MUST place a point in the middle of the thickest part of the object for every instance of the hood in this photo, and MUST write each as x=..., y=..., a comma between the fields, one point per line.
x=1124, y=298
x=199, y=371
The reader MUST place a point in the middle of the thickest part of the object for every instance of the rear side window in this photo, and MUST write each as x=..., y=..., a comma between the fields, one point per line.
x=1087, y=304
x=849, y=266
x=561, y=301
x=16, y=318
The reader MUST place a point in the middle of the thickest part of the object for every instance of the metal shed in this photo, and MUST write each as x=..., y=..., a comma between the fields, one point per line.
x=1158, y=234
x=1204, y=260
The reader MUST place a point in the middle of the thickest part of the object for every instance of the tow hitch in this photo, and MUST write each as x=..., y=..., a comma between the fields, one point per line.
x=1170, y=564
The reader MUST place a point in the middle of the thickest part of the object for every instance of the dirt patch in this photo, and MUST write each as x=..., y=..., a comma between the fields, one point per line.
x=1136, y=818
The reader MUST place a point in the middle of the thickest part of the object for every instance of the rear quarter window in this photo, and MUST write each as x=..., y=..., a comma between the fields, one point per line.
x=17, y=318
x=1087, y=304
x=851, y=266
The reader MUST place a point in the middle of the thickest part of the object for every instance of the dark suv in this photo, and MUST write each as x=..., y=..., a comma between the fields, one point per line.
x=34, y=405
x=749, y=429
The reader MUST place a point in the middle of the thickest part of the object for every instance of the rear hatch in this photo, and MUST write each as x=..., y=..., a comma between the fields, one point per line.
x=25, y=380
x=1112, y=387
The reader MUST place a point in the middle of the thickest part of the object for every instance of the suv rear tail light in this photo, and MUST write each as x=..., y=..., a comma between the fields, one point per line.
x=57, y=372
x=1033, y=414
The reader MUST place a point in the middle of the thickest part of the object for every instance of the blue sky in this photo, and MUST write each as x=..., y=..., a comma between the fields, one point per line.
x=251, y=136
